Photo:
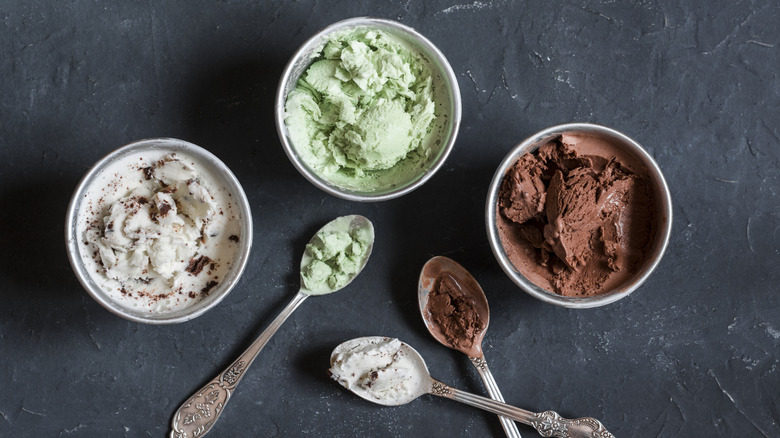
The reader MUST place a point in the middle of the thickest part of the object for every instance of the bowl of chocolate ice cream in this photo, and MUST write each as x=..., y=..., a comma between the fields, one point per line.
x=159, y=231
x=578, y=215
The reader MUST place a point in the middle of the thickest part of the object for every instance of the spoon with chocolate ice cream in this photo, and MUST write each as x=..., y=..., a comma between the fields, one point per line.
x=456, y=314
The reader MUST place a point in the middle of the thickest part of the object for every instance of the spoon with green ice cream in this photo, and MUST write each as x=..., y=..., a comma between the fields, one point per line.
x=333, y=258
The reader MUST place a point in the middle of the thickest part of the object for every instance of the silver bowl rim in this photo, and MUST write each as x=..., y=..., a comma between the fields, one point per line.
x=224, y=287
x=449, y=79
x=663, y=233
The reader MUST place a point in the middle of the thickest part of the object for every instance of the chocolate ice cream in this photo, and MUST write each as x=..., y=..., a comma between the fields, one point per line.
x=455, y=315
x=577, y=215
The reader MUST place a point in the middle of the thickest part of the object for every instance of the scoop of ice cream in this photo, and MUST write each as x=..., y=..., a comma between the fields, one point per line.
x=359, y=114
x=336, y=257
x=379, y=139
x=524, y=192
x=578, y=206
x=378, y=368
x=156, y=229
x=572, y=216
x=454, y=313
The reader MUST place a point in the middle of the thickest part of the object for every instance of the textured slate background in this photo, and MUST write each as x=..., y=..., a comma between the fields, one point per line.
x=694, y=352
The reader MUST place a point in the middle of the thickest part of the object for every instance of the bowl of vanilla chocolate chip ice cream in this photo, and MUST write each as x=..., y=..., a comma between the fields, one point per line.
x=159, y=231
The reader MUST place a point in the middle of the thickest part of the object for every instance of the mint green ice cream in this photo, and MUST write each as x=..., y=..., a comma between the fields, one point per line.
x=363, y=115
x=336, y=257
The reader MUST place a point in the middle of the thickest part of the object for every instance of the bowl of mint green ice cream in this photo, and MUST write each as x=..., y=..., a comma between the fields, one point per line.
x=368, y=109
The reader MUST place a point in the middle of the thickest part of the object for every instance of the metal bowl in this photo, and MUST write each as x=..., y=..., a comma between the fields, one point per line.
x=443, y=75
x=663, y=202
x=96, y=177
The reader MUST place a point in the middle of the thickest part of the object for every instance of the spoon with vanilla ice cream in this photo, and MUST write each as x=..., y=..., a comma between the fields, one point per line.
x=336, y=254
x=456, y=313
x=389, y=372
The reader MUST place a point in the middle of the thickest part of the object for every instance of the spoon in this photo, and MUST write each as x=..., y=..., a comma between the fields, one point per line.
x=198, y=414
x=391, y=373
x=441, y=272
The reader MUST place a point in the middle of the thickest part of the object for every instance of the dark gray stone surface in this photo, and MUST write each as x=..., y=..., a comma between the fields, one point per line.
x=694, y=352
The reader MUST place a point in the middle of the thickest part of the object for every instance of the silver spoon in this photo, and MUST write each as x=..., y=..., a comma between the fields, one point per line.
x=405, y=377
x=440, y=270
x=199, y=413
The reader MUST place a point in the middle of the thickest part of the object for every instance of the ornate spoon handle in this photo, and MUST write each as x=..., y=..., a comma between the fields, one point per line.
x=199, y=413
x=547, y=423
x=510, y=428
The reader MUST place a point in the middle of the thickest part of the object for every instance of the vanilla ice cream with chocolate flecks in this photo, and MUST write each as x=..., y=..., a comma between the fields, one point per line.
x=378, y=369
x=158, y=232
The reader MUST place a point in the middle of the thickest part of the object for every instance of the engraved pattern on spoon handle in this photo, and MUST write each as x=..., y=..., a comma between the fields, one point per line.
x=480, y=363
x=198, y=414
x=547, y=423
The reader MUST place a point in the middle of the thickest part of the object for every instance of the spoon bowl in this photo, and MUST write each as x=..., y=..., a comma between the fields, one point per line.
x=195, y=417
x=443, y=269
x=414, y=386
x=345, y=224
x=389, y=372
